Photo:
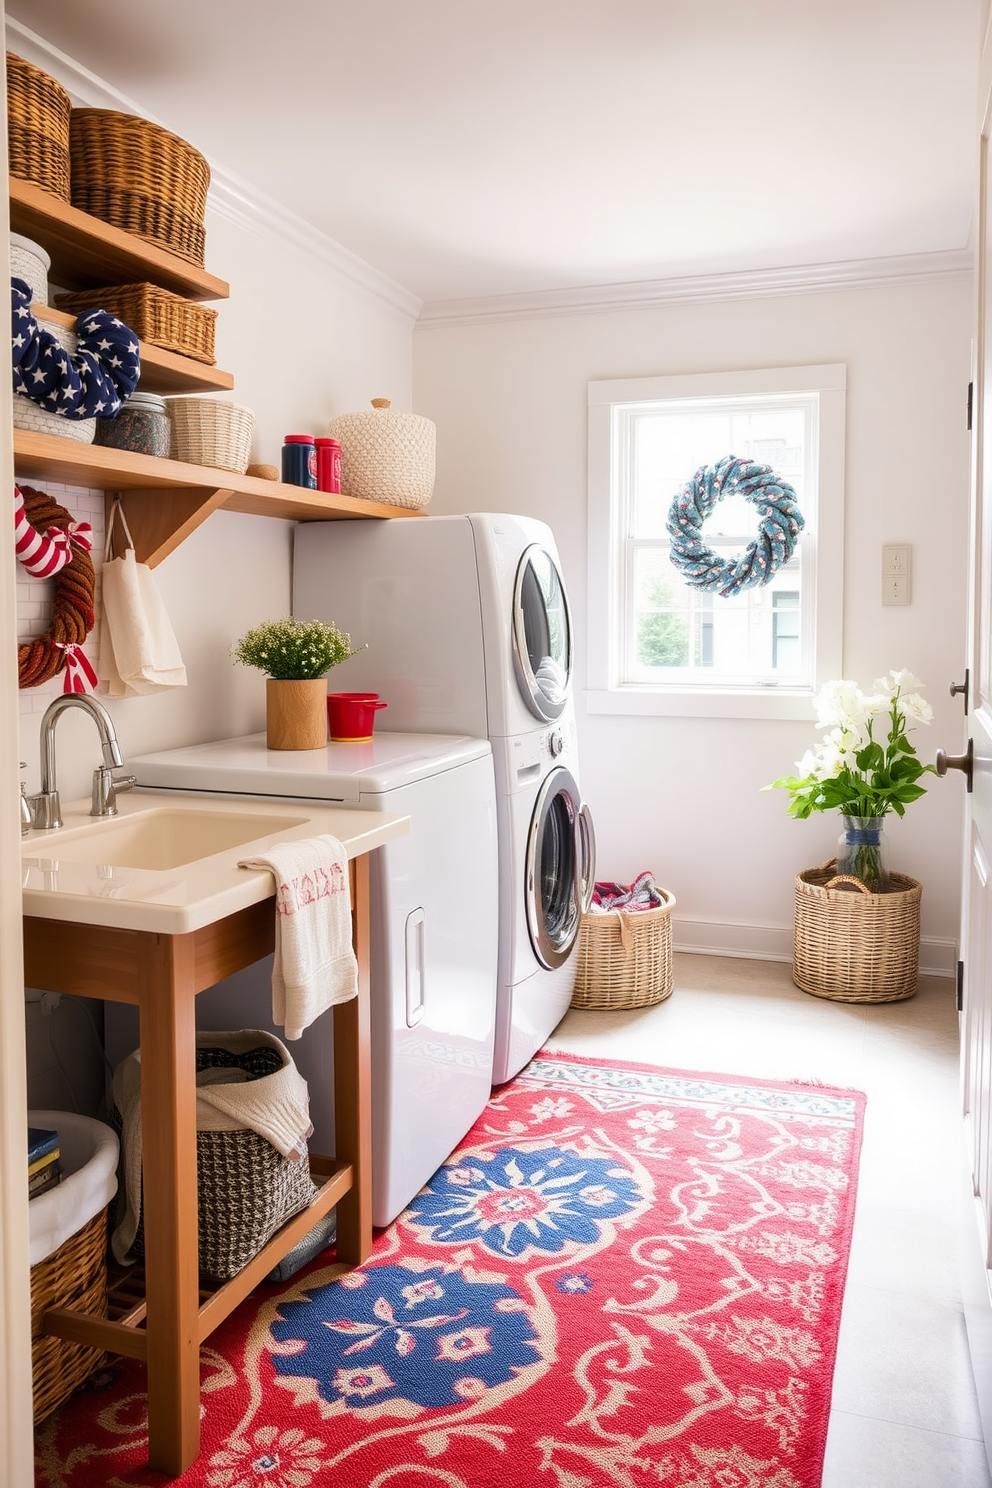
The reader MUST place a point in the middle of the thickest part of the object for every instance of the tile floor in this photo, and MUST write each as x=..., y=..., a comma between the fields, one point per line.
x=904, y=1410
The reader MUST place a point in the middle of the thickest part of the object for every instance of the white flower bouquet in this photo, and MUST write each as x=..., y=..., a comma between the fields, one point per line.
x=862, y=767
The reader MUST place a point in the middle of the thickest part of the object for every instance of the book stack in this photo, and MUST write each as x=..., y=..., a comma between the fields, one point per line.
x=44, y=1160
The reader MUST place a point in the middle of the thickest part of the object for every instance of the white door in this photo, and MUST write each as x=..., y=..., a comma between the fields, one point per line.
x=975, y=760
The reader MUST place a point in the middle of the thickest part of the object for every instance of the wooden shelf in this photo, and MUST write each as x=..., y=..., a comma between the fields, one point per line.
x=87, y=253
x=161, y=371
x=166, y=500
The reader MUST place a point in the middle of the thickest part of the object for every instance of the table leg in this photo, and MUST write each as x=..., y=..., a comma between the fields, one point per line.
x=168, y=1122
x=353, y=1087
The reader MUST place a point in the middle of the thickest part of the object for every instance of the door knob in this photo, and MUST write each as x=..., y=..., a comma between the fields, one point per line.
x=961, y=687
x=944, y=762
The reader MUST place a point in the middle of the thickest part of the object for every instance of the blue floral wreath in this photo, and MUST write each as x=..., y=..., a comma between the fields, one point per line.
x=778, y=531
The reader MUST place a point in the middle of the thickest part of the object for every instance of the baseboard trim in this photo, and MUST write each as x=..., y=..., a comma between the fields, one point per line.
x=749, y=942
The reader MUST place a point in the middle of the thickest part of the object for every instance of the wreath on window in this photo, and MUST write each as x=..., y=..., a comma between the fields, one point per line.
x=778, y=530
x=73, y=615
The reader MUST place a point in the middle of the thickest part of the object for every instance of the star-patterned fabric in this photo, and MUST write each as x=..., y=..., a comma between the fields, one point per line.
x=95, y=381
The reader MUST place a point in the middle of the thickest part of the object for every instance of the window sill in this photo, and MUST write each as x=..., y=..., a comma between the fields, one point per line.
x=645, y=702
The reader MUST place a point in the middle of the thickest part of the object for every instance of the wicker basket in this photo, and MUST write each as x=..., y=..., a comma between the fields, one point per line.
x=30, y=415
x=625, y=960
x=154, y=314
x=38, y=111
x=30, y=262
x=386, y=456
x=209, y=431
x=852, y=945
x=74, y=1276
x=139, y=177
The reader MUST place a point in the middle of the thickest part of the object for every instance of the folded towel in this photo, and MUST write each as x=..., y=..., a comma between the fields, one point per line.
x=276, y=1106
x=139, y=653
x=314, y=965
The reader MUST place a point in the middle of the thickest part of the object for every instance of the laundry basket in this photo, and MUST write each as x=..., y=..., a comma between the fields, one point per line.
x=852, y=945
x=246, y=1188
x=68, y=1252
x=625, y=958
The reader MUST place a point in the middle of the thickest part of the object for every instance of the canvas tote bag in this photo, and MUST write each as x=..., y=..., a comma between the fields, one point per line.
x=139, y=653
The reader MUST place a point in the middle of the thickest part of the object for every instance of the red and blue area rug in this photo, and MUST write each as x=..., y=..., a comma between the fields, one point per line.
x=624, y=1276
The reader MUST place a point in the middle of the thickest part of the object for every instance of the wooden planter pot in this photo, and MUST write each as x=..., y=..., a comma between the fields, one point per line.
x=296, y=713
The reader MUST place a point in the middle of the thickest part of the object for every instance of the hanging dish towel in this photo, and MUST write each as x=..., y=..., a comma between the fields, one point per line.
x=314, y=965
x=138, y=649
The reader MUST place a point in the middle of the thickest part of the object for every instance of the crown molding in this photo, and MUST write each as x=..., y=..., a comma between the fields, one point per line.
x=917, y=268
x=229, y=195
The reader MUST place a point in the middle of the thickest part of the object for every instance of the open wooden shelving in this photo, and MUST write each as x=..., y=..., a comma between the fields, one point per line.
x=166, y=500
x=87, y=253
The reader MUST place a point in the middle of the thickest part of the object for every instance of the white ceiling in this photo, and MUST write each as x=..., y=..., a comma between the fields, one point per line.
x=471, y=148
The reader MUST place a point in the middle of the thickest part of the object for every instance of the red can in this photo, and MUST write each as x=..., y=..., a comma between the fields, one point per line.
x=328, y=464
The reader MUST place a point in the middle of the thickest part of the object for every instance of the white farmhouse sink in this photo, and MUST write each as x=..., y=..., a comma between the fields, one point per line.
x=166, y=837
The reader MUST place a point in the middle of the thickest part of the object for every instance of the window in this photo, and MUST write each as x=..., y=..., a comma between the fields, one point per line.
x=657, y=645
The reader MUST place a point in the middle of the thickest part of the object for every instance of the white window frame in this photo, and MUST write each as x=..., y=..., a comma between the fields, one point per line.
x=606, y=691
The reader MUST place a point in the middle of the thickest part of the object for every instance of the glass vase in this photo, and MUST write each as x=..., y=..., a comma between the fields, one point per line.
x=860, y=851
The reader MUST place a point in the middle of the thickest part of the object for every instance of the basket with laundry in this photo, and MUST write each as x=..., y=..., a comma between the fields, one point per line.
x=625, y=946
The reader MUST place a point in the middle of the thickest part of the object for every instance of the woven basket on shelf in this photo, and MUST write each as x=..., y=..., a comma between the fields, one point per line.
x=156, y=315
x=625, y=960
x=209, y=431
x=386, y=456
x=73, y=1276
x=38, y=109
x=852, y=945
x=139, y=177
x=30, y=262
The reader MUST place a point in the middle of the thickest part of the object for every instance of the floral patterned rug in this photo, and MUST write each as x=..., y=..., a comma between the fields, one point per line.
x=624, y=1275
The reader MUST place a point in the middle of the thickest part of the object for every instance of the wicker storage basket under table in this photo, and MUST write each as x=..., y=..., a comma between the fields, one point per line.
x=74, y=1276
x=852, y=945
x=38, y=110
x=155, y=315
x=625, y=960
x=139, y=177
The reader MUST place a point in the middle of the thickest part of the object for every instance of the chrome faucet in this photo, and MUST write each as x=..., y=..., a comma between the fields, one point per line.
x=46, y=812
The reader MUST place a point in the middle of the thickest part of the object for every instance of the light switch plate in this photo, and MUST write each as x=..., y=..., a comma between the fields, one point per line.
x=895, y=589
x=897, y=564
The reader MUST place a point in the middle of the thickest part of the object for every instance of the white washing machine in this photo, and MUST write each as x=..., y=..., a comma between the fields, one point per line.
x=433, y=933
x=466, y=628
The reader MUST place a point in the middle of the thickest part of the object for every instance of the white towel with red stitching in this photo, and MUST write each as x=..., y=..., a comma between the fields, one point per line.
x=314, y=966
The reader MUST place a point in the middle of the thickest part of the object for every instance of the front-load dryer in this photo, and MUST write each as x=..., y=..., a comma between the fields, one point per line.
x=433, y=927
x=465, y=626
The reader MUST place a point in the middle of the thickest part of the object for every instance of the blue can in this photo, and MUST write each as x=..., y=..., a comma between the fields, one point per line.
x=299, y=461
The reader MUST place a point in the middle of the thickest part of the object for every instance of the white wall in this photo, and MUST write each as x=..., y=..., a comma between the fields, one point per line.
x=681, y=796
x=304, y=344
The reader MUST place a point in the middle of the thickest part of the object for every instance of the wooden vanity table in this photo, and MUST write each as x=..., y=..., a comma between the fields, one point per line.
x=161, y=972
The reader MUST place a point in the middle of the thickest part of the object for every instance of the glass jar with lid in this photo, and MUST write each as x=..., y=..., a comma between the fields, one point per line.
x=142, y=426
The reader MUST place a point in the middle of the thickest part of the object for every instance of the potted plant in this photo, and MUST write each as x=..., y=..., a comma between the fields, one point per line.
x=864, y=766
x=296, y=655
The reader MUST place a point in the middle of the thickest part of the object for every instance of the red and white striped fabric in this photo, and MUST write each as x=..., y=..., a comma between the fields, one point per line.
x=44, y=553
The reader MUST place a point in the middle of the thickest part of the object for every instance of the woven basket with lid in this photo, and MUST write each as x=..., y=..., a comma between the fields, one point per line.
x=386, y=456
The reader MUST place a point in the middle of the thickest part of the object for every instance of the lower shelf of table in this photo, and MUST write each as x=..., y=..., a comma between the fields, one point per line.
x=123, y=1331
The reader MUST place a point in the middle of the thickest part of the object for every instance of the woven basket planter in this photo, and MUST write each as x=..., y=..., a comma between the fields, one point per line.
x=854, y=946
x=625, y=960
x=209, y=431
x=30, y=415
x=156, y=315
x=386, y=456
x=139, y=177
x=38, y=111
x=74, y=1276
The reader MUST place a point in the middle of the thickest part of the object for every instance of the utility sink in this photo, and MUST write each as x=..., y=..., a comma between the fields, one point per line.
x=165, y=838
x=169, y=862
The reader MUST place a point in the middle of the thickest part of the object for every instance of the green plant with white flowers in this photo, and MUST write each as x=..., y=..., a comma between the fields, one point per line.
x=294, y=650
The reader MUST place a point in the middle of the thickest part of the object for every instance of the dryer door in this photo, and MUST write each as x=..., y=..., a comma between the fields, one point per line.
x=542, y=634
x=555, y=875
